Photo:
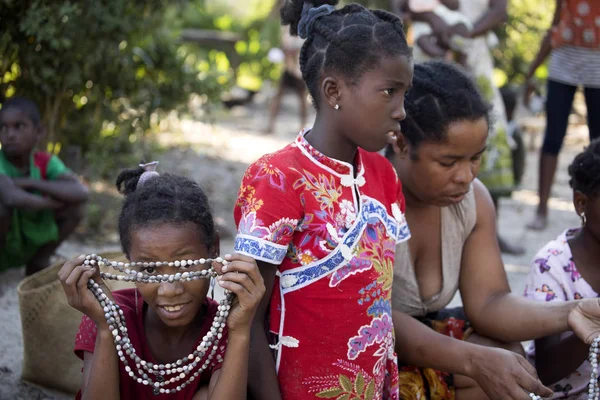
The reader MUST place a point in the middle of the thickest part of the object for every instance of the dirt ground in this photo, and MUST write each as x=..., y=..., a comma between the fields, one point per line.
x=216, y=156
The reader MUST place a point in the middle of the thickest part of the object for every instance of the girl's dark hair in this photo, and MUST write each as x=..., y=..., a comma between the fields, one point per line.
x=441, y=94
x=349, y=41
x=585, y=170
x=162, y=199
x=25, y=105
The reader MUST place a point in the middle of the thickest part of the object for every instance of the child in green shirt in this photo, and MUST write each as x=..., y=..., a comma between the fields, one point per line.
x=41, y=200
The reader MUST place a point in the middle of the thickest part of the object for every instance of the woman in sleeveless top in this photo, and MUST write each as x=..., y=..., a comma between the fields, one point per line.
x=454, y=245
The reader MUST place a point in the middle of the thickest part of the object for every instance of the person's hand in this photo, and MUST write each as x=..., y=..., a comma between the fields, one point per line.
x=74, y=277
x=502, y=374
x=584, y=320
x=23, y=183
x=441, y=29
x=460, y=30
x=242, y=277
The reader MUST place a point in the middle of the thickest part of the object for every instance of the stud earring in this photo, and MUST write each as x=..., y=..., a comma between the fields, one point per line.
x=337, y=107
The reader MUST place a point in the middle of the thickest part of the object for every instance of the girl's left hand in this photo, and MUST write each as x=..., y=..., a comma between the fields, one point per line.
x=242, y=277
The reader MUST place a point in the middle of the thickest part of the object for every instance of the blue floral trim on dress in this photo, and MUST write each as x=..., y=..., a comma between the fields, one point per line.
x=260, y=249
x=403, y=233
x=371, y=212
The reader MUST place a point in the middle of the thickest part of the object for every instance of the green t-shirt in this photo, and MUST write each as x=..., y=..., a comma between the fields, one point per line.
x=29, y=230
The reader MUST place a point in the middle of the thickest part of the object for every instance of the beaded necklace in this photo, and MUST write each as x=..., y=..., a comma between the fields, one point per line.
x=159, y=376
x=593, y=388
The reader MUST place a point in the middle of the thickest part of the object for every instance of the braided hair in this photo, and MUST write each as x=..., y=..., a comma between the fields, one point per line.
x=349, y=41
x=585, y=170
x=161, y=200
x=441, y=94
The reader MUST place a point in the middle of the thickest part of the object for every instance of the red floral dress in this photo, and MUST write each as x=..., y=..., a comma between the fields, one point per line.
x=332, y=233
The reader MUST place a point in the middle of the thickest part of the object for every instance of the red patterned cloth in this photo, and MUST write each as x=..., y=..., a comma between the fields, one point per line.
x=428, y=383
x=130, y=389
x=332, y=234
x=579, y=24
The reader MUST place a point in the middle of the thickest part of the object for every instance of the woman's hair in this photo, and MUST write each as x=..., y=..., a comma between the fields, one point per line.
x=585, y=170
x=441, y=94
x=162, y=199
x=349, y=41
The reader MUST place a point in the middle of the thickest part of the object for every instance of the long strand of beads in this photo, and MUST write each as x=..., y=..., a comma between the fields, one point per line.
x=131, y=275
x=159, y=376
x=593, y=388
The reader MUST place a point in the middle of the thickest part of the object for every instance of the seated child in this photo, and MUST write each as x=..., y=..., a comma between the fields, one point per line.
x=566, y=269
x=165, y=219
x=41, y=200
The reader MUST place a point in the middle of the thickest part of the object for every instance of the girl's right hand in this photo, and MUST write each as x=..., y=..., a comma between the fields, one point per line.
x=242, y=277
x=74, y=277
x=502, y=374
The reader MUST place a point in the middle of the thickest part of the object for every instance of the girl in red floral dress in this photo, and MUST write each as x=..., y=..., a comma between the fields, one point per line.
x=322, y=216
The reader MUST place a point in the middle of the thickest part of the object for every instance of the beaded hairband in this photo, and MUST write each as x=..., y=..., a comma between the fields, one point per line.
x=159, y=376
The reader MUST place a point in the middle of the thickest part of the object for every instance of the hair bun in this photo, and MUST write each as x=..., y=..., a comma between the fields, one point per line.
x=127, y=180
x=291, y=12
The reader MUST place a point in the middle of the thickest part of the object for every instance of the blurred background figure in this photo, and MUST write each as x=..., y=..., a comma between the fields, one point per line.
x=573, y=43
x=291, y=78
x=41, y=200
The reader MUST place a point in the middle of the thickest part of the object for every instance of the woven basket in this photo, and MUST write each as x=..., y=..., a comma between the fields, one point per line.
x=49, y=327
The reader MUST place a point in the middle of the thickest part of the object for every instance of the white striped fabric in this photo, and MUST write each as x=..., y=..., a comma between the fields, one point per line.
x=575, y=66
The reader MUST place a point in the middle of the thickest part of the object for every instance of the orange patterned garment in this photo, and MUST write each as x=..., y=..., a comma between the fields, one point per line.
x=579, y=24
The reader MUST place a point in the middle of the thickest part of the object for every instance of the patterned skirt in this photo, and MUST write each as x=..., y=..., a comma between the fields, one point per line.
x=426, y=383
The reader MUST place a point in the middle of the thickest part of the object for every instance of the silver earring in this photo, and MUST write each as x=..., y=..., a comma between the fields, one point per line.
x=337, y=107
x=583, y=219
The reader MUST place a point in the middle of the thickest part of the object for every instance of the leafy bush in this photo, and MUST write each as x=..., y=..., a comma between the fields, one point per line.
x=102, y=72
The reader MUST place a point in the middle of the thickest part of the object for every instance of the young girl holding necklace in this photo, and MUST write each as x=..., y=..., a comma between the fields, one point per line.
x=165, y=219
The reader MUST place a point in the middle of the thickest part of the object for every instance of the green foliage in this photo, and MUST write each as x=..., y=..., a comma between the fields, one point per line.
x=102, y=72
x=255, y=21
x=528, y=21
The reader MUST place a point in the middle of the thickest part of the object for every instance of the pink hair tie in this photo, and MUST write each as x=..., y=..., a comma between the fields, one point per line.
x=149, y=172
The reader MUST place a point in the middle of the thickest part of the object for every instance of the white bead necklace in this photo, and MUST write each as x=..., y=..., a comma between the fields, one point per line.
x=593, y=388
x=159, y=376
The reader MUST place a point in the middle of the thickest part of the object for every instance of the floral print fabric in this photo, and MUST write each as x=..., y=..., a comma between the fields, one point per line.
x=427, y=383
x=331, y=234
x=579, y=25
x=554, y=277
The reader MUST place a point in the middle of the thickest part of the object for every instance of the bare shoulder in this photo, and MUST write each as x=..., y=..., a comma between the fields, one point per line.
x=486, y=212
x=483, y=199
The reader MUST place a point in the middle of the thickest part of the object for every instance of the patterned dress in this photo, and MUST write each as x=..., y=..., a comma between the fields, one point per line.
x=554, y=277
x=332, y=235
